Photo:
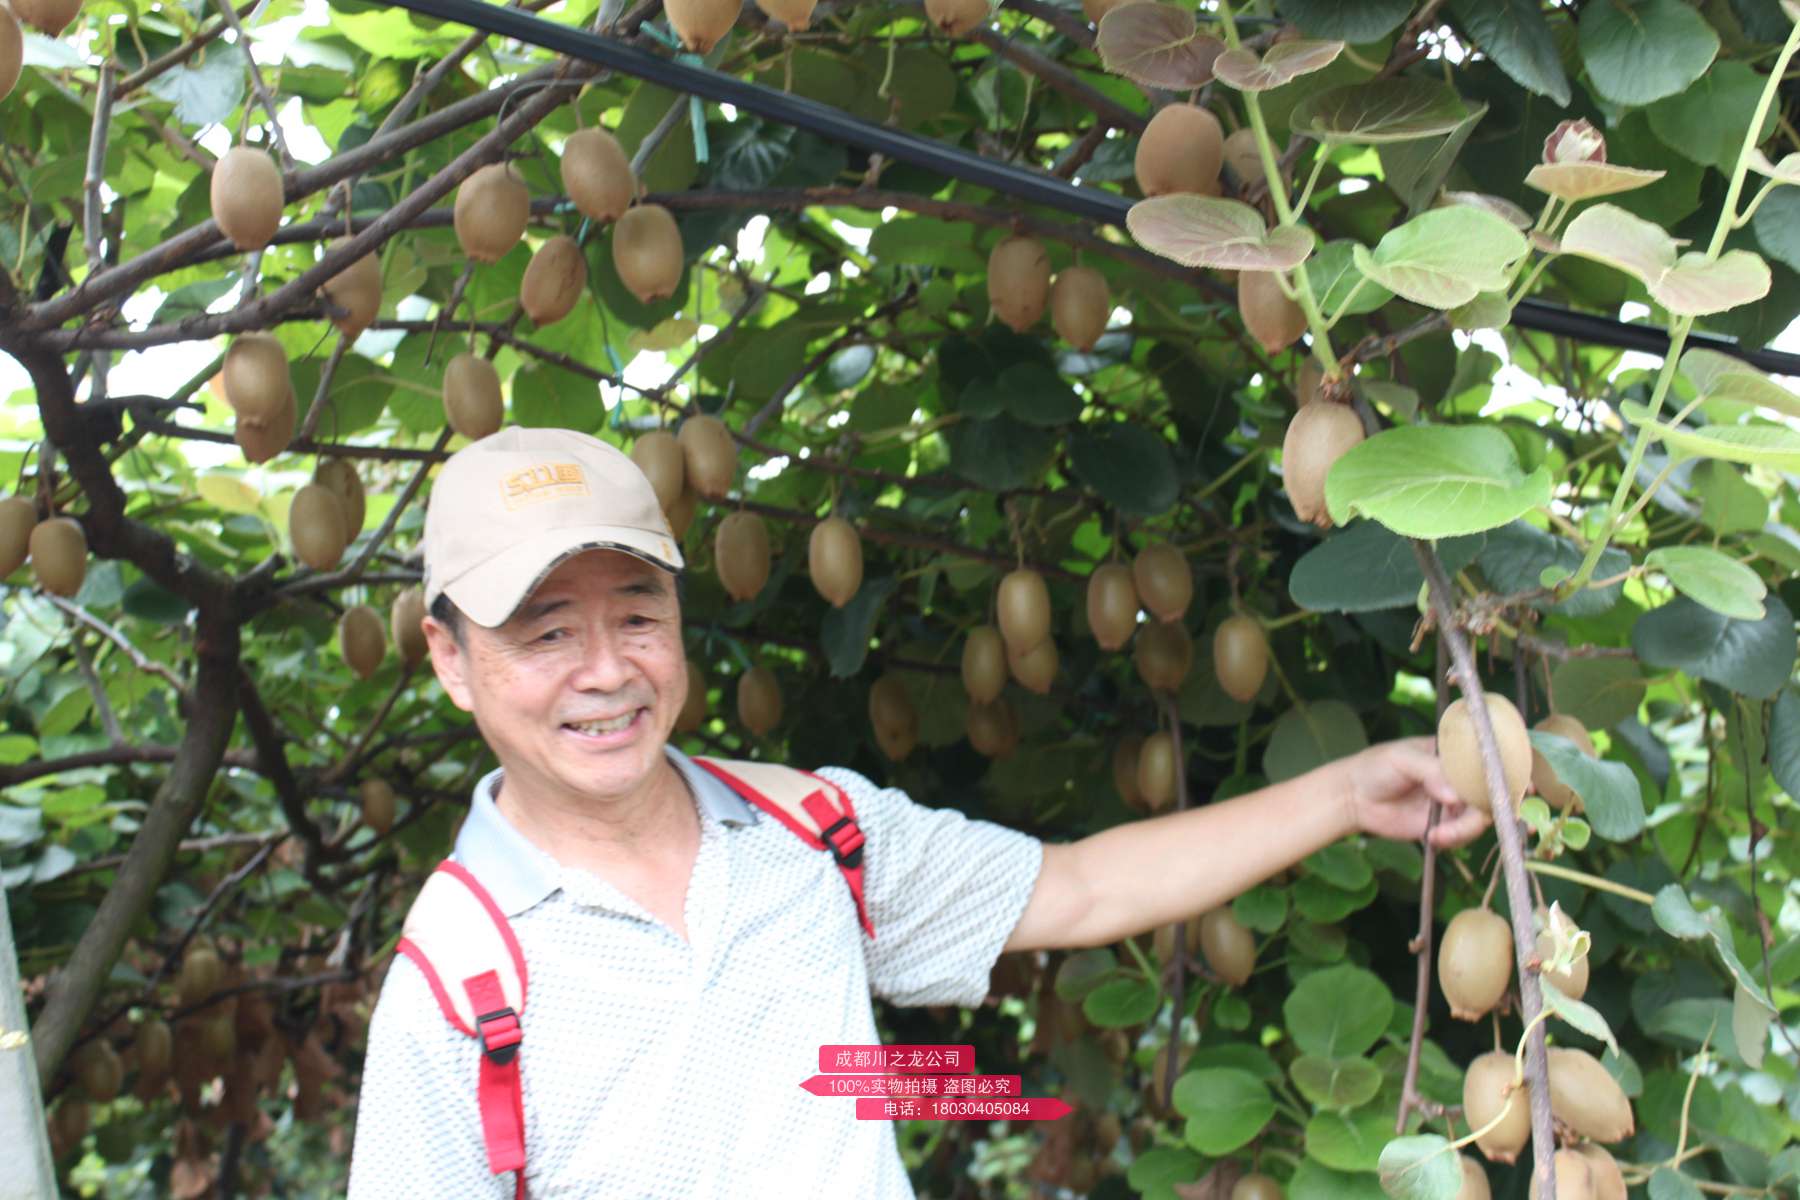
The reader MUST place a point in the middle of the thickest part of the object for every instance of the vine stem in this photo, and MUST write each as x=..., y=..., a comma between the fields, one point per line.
x=1409, y=1083
x=1512, y=859
x=1592, y=881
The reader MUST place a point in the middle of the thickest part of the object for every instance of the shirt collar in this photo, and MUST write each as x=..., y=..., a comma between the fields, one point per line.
x=518, y=875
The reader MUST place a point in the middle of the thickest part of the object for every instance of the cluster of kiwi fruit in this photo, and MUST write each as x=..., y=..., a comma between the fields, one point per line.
x=327, y=514
x=57, y=548
x=1020, y=287
x=1523, y=766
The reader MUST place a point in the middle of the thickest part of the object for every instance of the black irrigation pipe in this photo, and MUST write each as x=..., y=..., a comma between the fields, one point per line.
x=1016, y=182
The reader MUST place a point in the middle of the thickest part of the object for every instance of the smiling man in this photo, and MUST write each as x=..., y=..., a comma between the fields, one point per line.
x=687, y=953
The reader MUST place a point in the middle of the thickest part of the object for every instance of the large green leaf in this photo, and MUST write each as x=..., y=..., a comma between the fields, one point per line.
x=1416, y=169
x=1767, y=445
x=1435, y=481
x=1315, y=1181
x=1675, y=913
x=1338, y=1013
x=1706, y=121
x=1638, y=51
x=1716, y=580
x=1037, y=395
x=1225, y=1108
x=1338, y=1083
x=999, y=454
x=1310, y=735
x=1610, y=797
x=1599, y=692
x=1753, y=658
x=1128, y=465
x=1206, y=231
x=549, y=395
x=1784, y=742
x=846, y=631
x=1351, y=1141
x=1516, y=36
x=1516, y=558
x=206, y=89
x=1366, y=567
x=1420, y=1168
x=1387, y=110
x=1350, y=20
x=1335, y=279
x=1118, y=1003
x=1444, y=257
x=1777, y=226
x=1687, y=284
x=1724, y=377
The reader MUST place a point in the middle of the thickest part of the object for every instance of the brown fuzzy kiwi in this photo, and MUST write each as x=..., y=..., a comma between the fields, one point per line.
x=406, y=625
x=49, y=16
x=1165, y=582
x=472, y=403
x=1475, y=962
x=1309, y=382
x=693, y=705
x=1461, y=756
x=1475, y=1181
x=1241, y=657
x=100, y=1071
x=1557, y=794
x=1035, y=669
x=262, y=440
x=256, y=378
x=1586, y=1098
x=155, y=1047
x=647, y=254
x=1603, y=1171
x=597, y=174
x=1271, y=318
x=357, y=290
x=1079, y=306
x=1487, y=1091
x=1228, y=947
x=1317, y=436
x=362, y=640
x=681, y=513
x=700, y=24
x=59, y=553
x=246, y=196
x=1180, y=151
x=492, y=207
x=1096, y=10
x=316, y=527
x=1256, y=1187
x=554, y=280
x=1018, y=281
x=1163, y=940
x=741, y=554
x=895, y=720
x=339, y=474
x=759, y=700
x=1163, y=656
x=658, y=455
x=1574, y=1179
x=795, y=14
x=834, y=559
x=12, y=51
x=378, y=805
x=1572, y=982
x=68, y=1125
x=993, y=729
x=1024, y=608
x=709, y=456
x=1112, y=605
x=1156, y=770
x=955, y=18
x=1242, y=157
x=1124, y=771
x=18, y=517
x=200, y=975
x=984, y=664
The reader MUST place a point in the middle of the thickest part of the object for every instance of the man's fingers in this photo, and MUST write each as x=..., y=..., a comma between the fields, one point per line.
x=1458, y=825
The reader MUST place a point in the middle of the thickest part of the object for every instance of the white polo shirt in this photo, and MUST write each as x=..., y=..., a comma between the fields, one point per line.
x=657, y=1067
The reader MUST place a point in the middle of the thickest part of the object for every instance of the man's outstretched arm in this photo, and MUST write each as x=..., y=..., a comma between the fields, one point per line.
x=1134, y=877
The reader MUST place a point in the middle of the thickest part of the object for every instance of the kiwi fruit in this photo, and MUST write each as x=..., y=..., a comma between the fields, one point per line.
x=1163, y=940
x=1124, y=771
x=1079, y=306
x=200, y=975
x=316, y=527
x=1272, y=319
x=893, y=717
x=246, y=196
x=1309, y=381
x=406, y=624
x=1603, y=1172
x=955, y=18
x=1475, y=962
x=378, y=805
x=472, y=403
x=12, y=51
x=362, y=640
x=1035, y=669
x=1475, y=1181
x=18, y=516
x=709, y=455
x=1156, y=771
x=59, y=555
x=1112, y=605
x=100, y=1071
x=68, y=1125
x=759, y=700
x=741, y=554
x=339, y=474
x=597, y=175
x=1163, y=656
x=1586, y=1098
x=1227, y=946
x=256, y=377
x=795, y=14
x=1180, y=151
x=262, y=440
x=1242, y=157
x=357, y=290
x=491, y=210
x=701, y=23
x=155, y=1047
x=1241, y=657
x=681, y=513
x=693, y=705
x=1256, y=1187
x=646, y=250
x=1317, y=436
x=1557, y=794
x=1165, y=582
x=1461, y=756
x=658, y=455
x=1574, y=1179
x=1487, y=1092
x=554, y=280
x=834, y=560
x=1024, y=607
x=1018, y=281
x=1571, y=983
x=984, y=664
x=992, y=728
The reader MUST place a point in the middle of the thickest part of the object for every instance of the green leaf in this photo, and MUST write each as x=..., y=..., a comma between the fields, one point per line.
x=1416, y=169
x=207, y=88
x=1516, y=36
x=1706, y=120
x=1353, y=21
x=1128, y=465
x=1083, y=971
x=1777, y=226
x=1121, y=1002
x=1352, y=1141
x=1334, y=277
x=1666, y=1183
x=1638, y=51
x=1444, y=257
x=999, y=454
x=1366, y=567
x=1753, y=658
x=1435, y=481
x=1311, y=735
x=1037, y=395
x=1609, y=791
x=1154, y=1172
x=1225, y=1108
x=845, y=633
x=1721, y=376
x=1338, y=1012
x=1387, y=110
x=1247, y=71
x=1599, y=692
x=1784, y=743
x=1518, y=557
x=1750, y=1023
x=1768, y=445
x=547, y=395
x=927, y=242
x=1206, y=231
x=1315, y=1181
x=1423, y=1167
x=1337, y=1083
x=1158, y=46
x=1676, y=915
x=1581, y=1016
x=1262, y=908
x=1686, y=284
x=1716, y=580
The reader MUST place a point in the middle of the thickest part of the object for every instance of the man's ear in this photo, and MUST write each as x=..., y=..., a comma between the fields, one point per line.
x=450, y=660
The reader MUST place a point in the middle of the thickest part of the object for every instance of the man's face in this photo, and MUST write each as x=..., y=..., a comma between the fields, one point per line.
x=578, y=691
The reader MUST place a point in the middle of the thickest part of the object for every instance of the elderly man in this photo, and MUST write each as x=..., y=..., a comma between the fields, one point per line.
x=687, y=955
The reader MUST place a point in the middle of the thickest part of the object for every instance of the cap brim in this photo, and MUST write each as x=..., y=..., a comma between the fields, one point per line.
x=493, y=591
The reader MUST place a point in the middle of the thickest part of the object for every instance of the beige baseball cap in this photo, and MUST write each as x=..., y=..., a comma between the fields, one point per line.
x=507, y=509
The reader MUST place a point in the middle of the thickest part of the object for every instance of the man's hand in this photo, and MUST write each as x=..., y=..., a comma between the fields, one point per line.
x=1390, y=787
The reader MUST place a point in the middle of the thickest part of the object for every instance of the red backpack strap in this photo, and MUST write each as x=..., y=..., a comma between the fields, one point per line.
x=455, y=932
x=816, y=809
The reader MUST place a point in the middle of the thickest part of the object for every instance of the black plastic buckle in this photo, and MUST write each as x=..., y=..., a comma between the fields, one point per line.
x=503, y=1045
x=845, y=858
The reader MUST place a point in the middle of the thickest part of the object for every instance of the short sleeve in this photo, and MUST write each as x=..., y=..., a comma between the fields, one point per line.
x=418, y=1124
x=944, y=892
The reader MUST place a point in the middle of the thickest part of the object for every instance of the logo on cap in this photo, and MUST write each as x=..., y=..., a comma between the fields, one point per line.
x=545, y=481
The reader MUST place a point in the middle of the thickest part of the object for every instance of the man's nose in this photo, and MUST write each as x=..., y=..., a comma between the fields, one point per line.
x=603, y=666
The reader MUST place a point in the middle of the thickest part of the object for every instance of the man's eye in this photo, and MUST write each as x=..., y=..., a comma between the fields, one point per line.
x=640, y=620
x=551, y=635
